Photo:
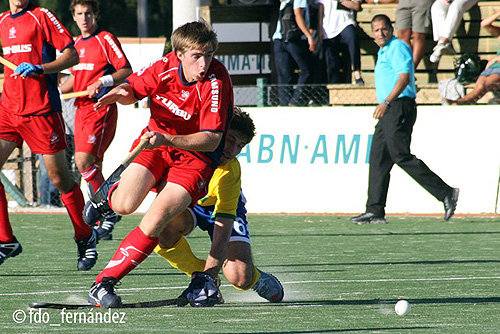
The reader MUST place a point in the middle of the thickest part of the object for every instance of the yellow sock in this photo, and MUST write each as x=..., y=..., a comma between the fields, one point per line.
x=181, y=257
x=256, y=276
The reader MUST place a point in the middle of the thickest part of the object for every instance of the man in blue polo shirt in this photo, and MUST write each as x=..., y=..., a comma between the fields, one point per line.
x=396, y=112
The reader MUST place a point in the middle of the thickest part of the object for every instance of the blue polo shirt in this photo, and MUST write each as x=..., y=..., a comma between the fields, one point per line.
x=394, y=58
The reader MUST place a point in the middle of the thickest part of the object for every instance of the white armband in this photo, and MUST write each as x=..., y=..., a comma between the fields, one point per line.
x=107, y=80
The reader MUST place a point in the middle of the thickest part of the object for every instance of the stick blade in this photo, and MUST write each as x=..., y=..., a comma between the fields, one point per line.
x=148, y=304
x=59, y=306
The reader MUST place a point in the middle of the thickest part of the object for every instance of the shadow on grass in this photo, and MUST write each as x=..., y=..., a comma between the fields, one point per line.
x=347, y=330
x=451, y=300
x=378, y=233
x=376, y=263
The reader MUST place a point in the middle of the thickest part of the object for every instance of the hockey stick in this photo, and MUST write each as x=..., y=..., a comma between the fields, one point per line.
x=60, y=306
x=7, y=63
x=13, y=66
x=98, y=205
x=135, y=152
x=71, y=95
x=102, y=192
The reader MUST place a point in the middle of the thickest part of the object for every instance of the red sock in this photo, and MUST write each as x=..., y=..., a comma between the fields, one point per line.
x=74, y=203
x=113, y=188
x=5, y=227
x=93, y=175
x=134, y=249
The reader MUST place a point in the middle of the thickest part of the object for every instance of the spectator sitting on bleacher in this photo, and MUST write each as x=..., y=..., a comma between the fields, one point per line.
x=336, y=26
x=413, y=20
x=381, y=1
x=489, y=79
x=446, y=17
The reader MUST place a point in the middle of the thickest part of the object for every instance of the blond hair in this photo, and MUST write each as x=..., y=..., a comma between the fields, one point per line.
x=193, y=35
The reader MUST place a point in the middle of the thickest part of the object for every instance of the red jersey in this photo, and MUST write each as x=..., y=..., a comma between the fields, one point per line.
x=182, y=108
x=32, y=36
x=100, y=54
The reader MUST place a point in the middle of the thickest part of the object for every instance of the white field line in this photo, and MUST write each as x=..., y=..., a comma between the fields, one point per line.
x=284, y=283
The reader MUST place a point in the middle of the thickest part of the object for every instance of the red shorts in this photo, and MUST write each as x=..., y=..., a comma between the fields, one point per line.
x=43, y=134
x=95, y=129
x=170, y=164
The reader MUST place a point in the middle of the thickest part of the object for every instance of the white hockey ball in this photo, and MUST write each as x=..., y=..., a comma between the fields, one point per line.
x=402, y=307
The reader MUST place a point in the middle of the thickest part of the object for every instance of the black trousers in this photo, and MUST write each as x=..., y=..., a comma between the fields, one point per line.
x=391, y=145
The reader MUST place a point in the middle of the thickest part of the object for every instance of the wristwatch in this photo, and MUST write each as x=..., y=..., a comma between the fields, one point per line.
x=385, y=101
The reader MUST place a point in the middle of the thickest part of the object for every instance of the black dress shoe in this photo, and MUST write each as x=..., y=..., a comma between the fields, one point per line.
x=368, y=218
x=450, y=203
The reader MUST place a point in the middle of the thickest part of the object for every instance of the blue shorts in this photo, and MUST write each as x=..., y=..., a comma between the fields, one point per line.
x=489, y=71
x=202, y=216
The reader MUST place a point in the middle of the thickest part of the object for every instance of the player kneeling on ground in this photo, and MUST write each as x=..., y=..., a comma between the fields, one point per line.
x=222, y=214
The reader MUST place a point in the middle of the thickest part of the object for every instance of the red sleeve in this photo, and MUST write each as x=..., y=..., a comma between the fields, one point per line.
x=56, y=34
x=145, y=81
x=115, y=53
x=217, y=100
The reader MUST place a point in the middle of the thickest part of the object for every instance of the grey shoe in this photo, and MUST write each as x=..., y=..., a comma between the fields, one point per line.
x=269, y=287
x=441, y=49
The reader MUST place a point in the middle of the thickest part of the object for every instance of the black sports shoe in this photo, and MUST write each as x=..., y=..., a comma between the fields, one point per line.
x=103, y=293
x=368, y=218
x=359, y=82
x=199, y=281
x=95, y=211
x=105, y=228
x=98, y=207
x=450, y=203
x=9, y=249
x=87, y=253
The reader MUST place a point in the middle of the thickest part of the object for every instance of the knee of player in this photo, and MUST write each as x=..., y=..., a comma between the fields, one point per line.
x=240, y=279
x=122, y=209
x=62, y=183
x=241, y=282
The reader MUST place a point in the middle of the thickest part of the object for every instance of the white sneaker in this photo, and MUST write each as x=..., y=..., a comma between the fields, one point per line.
x=268, y=287
x=441, y=49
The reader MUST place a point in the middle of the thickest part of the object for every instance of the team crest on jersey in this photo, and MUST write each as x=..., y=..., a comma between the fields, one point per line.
x=54, y=138
x=12, y=33
x=82, y=53
x=184, y=95
x=92, y=139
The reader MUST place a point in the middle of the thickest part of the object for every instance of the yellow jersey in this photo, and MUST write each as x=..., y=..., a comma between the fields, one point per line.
x=224, y=190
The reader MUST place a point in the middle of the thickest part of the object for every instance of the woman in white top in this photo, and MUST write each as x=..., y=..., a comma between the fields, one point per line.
x=337, y=26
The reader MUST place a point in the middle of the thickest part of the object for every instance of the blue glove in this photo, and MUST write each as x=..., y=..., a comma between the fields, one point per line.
x=202, y=291
x=28, y=68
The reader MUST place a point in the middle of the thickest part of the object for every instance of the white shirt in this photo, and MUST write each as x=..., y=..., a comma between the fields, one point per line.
x=335, y=20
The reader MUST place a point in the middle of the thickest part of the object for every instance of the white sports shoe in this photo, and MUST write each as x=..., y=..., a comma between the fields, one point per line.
x=441, y=49
x=268, y=287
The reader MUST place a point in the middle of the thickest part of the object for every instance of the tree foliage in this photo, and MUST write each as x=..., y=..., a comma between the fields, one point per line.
x=117, y=16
